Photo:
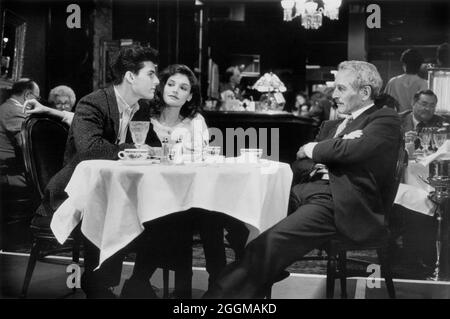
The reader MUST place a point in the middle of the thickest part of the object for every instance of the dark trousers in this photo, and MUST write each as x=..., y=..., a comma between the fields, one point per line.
x=309, y=226
x=94, y=283
x=167, y=242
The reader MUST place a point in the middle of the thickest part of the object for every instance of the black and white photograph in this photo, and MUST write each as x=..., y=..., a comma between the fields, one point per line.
x=224, y=155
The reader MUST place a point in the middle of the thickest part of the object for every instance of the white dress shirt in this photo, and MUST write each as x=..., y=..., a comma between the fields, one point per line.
x=126, y=114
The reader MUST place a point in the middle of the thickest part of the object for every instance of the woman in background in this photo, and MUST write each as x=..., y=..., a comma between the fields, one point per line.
x=62, y=98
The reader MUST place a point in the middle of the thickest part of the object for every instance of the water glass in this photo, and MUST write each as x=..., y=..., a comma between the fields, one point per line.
x=139, y=130
x=426, y=136
x=439, y=138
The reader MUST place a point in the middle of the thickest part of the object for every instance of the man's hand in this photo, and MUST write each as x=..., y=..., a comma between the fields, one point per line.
x=34, y=107
x=353, y=135
x=301, y=153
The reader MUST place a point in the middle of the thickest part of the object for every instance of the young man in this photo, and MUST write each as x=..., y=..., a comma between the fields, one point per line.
x=350, y=170
x=99, y=130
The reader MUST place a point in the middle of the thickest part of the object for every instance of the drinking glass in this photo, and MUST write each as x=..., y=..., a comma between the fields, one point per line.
x=139, y=130
x=425, y=138
x=439, y=138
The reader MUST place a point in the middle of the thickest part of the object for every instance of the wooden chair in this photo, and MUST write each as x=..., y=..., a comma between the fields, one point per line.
x=44, y=141
x=337, y=248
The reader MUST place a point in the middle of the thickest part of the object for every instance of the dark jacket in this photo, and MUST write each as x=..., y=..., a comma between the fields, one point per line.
x=361, y=170
x=92, y=135
x=406, y=118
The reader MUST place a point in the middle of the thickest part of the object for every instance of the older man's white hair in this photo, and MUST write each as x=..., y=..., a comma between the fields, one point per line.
x=366, y=74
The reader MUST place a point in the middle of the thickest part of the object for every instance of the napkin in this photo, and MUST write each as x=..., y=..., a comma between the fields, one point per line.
x=441, y=153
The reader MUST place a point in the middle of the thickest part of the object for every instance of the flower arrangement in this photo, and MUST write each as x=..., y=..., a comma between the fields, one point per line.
x=269, y=82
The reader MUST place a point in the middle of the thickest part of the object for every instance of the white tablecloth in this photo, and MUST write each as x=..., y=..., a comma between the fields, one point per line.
x=114, y=200
x=413, y=194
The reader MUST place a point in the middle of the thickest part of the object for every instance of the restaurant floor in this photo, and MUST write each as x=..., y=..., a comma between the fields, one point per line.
x=49, y=282
x=307, y=278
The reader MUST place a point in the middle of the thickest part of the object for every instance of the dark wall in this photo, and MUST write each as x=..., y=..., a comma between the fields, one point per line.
x=35, y=14
x=171, y=28
x=55, y=54
x=69, y=50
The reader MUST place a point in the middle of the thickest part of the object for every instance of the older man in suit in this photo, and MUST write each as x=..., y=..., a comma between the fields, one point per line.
x=347, y=174
x=99, y=131
x=422, y=114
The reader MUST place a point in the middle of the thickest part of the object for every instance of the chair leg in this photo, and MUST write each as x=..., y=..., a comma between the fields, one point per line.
x=34, y=254
x=331, y=275
x=386, y=271
x=342, y=271
x=76, y=252
x=268, y=293
x=166, y=283
x=75, y=257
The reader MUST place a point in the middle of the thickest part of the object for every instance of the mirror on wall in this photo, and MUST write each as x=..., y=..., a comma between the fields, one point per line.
x=12, y=45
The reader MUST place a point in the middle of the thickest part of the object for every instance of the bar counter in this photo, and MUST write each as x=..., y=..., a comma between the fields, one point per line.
x=293, y=131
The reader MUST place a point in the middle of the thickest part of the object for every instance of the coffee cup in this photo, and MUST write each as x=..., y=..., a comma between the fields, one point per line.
x=133, y=154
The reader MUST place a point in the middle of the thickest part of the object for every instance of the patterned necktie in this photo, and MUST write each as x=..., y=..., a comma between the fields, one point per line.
x=343, y=125
x=419, y=127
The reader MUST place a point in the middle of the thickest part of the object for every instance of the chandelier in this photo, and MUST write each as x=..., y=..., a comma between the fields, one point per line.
x=311, y=11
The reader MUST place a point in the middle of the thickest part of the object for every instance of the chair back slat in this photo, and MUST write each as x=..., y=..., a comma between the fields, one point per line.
x=397, y=179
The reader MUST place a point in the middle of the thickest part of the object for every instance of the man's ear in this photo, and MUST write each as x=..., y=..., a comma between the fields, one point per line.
x=366, y=92
x=129, y=76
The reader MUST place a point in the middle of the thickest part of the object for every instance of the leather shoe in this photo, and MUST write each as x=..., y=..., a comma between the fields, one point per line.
x=137, y=289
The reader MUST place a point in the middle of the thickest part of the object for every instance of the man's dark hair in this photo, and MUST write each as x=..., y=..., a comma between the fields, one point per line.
x=132, y=58
x=424, y=92
x=412, y=59
x=22, y=85
x=190, y=108
x=443, y=55
x=386, y=100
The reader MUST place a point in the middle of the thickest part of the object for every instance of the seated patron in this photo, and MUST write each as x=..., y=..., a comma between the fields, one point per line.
x=12, y=116
x=62, y=98
x=350, y=171
x=422, y=114
x=61, y=101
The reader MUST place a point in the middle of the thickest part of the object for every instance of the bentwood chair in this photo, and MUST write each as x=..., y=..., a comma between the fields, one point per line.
x=337, y=248
x=43, y=144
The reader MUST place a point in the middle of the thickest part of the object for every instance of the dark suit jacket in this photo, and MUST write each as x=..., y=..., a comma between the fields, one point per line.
x=92, y=135
x=408, y=124
x=361, y=170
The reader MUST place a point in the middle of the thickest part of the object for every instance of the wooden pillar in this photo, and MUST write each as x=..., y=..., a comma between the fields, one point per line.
x=102, y=20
